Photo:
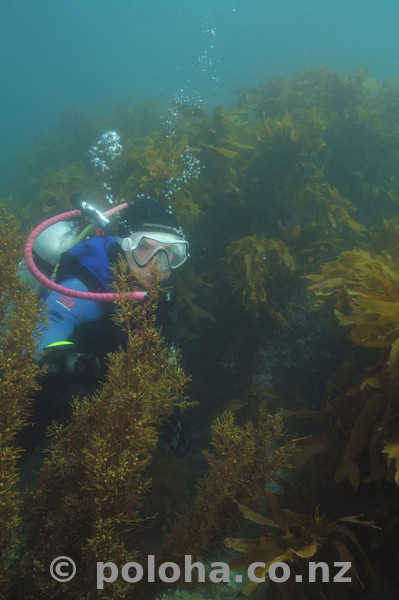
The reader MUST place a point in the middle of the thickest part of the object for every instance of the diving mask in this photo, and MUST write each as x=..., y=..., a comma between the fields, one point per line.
x=170, y=250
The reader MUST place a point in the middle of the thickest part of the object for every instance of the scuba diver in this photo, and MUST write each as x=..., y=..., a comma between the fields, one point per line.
x=81, y=331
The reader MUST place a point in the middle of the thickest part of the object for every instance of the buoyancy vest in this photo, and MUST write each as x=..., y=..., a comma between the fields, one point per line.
x=85, y=267
x=90, y=261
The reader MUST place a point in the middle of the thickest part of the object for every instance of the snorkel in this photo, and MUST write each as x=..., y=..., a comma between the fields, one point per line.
x=99, y=220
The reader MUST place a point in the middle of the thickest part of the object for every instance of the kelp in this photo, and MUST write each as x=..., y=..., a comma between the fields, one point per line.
x=357, y=425
x=163, y=165
x=305, y=131
x=364, y=291
x=371, y=427
x=189, y=286
x=298, y=179
x=385, y=239
x=299, y=538
x=329, y=210
x=55, y=192
x=247, y=262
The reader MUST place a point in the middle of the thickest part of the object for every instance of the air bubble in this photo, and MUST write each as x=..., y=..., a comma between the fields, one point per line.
x=103, y=153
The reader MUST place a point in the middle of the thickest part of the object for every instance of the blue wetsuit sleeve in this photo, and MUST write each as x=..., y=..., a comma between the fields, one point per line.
x=66, y=313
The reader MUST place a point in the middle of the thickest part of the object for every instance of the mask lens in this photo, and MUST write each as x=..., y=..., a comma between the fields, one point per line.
x=162, y=261
x=143, y=252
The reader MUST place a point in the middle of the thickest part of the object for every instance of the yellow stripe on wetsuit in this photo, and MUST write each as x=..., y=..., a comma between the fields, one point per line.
x=54, y=344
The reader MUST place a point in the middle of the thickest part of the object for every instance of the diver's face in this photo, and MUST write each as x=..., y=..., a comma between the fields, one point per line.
x=150, y=254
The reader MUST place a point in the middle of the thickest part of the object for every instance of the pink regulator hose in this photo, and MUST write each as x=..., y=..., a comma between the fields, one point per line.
x=72, y=214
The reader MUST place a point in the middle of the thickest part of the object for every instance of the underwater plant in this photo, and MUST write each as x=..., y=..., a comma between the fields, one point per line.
x=242, y=459
x=248, y=263
x=363, y=290
x=189, y=285
x=278, y=182
x=328, y=209
x=20, y=318
x=86, y=499
x=55, y=190
x=298, y=538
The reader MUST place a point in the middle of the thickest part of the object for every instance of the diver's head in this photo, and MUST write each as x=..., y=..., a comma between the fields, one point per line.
x=149, y=235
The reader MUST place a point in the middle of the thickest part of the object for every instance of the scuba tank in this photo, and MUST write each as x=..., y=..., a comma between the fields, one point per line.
x=59, y=237
x=54, y=240
x=47, y=250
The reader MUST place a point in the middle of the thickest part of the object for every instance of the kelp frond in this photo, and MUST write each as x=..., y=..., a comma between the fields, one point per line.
x=248, y=262
x=364, y=291
x=330, y=211
x=291, y=537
